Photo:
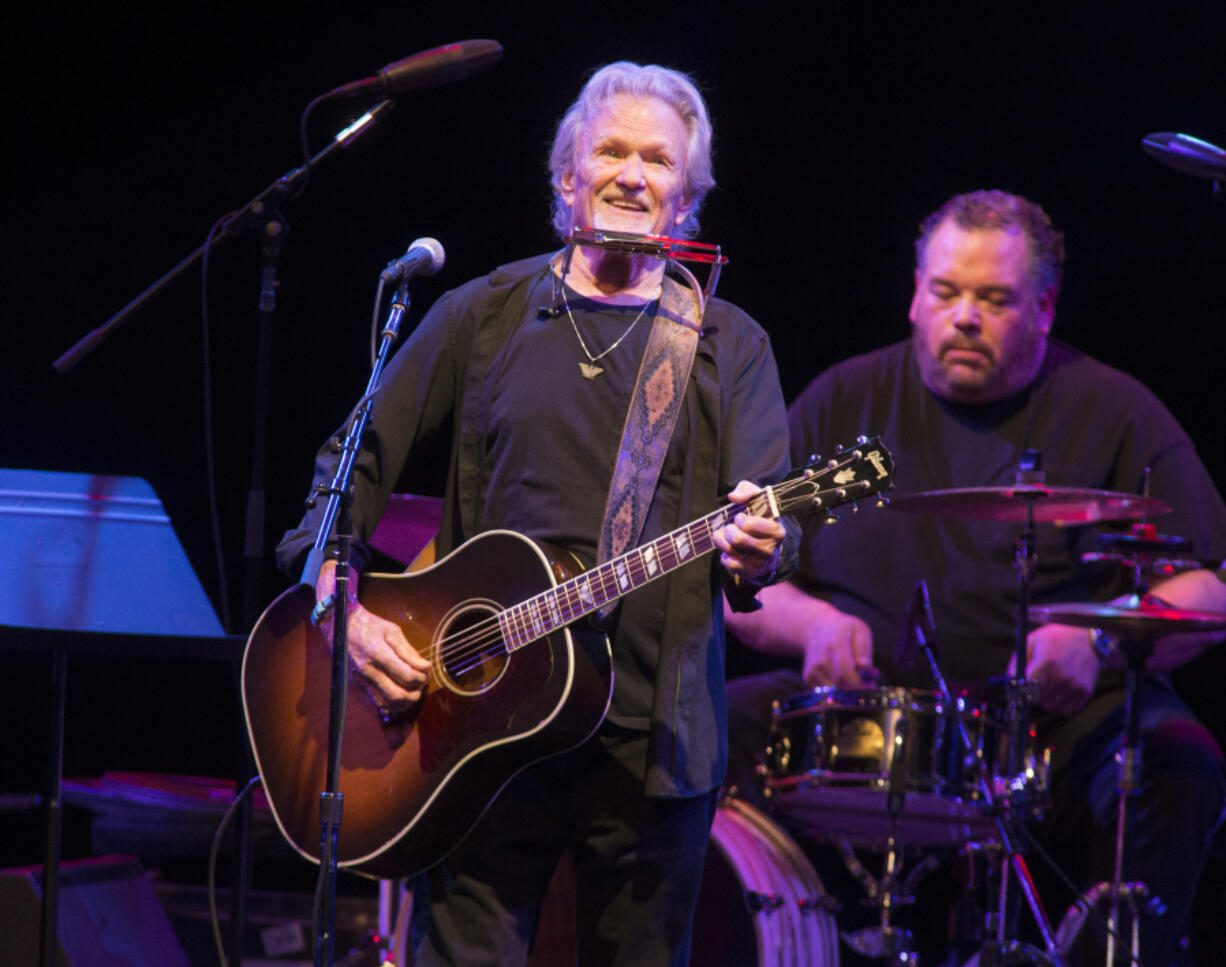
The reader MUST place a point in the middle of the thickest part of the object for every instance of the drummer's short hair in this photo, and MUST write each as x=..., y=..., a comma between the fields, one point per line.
x=636, y=80
x=987, y=209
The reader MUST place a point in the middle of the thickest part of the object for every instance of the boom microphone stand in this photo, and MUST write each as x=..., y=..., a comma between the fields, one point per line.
x=262, y=214
x=999, y=951
x=440, y=65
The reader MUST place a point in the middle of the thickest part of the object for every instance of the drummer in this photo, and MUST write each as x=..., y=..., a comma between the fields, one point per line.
x=980, y=383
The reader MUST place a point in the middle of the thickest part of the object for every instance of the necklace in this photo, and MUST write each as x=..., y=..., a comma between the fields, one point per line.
x=589, y=369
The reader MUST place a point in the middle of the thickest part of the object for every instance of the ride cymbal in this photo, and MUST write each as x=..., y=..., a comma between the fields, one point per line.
x=1139, y=618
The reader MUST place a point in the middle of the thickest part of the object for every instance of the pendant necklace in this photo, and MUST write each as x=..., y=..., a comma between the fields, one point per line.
x=589, y=369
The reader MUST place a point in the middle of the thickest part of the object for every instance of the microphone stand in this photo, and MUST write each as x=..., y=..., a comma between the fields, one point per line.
x=272, y=240
x=262, y=213
x=283, y=188
x=991, y=955
x=337, y=512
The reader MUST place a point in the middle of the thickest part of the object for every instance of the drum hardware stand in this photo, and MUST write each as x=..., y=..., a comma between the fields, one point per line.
x=1136, y=651
x=996, y=951
x=1140, y=550
x=1020, y=697
x=885, y=941
x=1136, y=624
x=1134, y=896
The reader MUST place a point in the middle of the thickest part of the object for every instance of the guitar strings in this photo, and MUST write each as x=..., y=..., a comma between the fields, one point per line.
x=470, y=648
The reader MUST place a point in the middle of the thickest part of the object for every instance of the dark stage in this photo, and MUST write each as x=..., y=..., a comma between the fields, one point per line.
x=838, y=126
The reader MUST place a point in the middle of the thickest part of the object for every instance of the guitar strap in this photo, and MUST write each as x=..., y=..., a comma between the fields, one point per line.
x=654, y=407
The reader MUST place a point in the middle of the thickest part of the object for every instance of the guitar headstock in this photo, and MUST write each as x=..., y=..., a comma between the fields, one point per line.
x=849, y=475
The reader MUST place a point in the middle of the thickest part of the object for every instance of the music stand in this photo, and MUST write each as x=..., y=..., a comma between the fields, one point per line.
x=99, y=570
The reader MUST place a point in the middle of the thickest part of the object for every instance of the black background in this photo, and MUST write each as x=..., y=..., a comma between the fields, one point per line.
x=838, y=127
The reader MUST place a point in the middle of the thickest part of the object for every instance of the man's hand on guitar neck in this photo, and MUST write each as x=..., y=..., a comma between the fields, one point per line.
x=391, y=671
x=749, y=545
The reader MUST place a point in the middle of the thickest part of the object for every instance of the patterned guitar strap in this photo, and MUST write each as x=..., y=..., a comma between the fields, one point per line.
x=654, y=407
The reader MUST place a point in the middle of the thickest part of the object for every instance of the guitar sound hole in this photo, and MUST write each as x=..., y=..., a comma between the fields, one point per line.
x=471, y=651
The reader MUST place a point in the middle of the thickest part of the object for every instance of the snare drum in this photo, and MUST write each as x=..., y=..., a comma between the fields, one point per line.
x=835, y=755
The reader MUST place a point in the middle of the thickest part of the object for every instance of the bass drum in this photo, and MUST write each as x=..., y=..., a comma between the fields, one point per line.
x=760, y=903
x=761, y=900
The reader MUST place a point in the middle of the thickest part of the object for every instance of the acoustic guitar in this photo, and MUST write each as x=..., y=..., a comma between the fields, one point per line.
x=516, y=676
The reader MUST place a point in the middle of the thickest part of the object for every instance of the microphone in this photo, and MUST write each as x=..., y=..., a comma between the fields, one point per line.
x=919, y=629
x=424, y=257
x=1186, y=154
x=442, y=65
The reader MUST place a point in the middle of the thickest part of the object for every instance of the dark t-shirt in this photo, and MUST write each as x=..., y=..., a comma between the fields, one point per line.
x=1094, y=426
x=576, y=425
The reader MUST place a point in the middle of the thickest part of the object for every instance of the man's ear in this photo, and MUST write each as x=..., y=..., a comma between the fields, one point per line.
x=1045, y=313
x=911, y=313
x=683, y=210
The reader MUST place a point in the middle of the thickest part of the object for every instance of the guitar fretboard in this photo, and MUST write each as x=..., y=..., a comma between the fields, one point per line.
x=558, y=607
x=592, y=590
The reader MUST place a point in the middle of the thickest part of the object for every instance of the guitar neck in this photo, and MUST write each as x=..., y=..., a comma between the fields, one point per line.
x=852, y=474
x=589, y=592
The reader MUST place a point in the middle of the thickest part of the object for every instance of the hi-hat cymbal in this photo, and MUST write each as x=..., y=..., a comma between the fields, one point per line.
x=1060, y=505
x=1139, y=618
x=408, y=524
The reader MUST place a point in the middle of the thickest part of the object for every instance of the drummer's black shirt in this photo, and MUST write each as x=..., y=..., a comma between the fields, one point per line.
x=1095, y=428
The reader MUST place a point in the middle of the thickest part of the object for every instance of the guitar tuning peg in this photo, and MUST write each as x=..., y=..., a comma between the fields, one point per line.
x=855, y=507
x=830, y=518
x=882, y=501
x=838, y=449
x=815, y=458
x=861, y=439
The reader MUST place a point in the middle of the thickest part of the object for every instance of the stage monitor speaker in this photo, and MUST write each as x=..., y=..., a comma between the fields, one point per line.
x=109, y=916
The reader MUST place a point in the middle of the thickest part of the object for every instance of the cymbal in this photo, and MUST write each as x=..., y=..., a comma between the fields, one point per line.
x=1144, y=543
x=1139, y=618
x=1059, y=505
x=408, y=524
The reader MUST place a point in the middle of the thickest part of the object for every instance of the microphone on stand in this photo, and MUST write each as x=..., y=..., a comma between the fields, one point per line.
x=441, y=65
x=918, y=631
x=424, y=257
x=1186, y=154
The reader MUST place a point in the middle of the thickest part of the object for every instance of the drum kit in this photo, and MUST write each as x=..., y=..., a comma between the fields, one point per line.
x=896, y=769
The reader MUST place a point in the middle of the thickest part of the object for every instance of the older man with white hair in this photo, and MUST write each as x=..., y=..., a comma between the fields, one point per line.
x=531, y=371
